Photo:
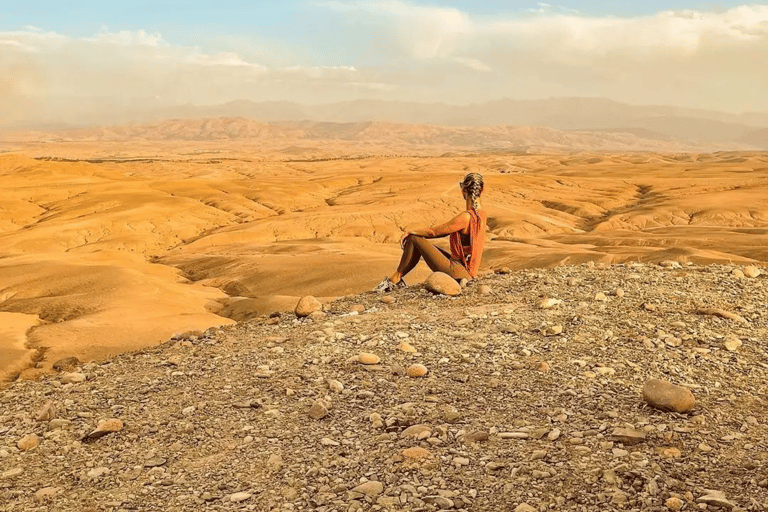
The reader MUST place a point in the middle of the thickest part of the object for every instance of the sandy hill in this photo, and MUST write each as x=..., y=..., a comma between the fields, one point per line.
x=523, y=407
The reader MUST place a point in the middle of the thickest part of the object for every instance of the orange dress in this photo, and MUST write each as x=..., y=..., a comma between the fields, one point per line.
x=470, y=255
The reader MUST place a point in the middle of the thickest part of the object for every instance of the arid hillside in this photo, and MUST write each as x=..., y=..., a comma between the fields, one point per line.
x=117, y=238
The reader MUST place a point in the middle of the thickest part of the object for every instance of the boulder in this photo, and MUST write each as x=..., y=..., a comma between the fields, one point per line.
x=667, y=396
x=442, y=284
x=306, y=306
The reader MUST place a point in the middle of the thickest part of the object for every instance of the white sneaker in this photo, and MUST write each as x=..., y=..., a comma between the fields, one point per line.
x=384, y=286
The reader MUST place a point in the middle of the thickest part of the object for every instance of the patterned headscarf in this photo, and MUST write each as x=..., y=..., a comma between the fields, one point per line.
x=473, y=184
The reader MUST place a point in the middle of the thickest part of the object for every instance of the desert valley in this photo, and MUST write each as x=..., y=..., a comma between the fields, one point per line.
x=112, y=239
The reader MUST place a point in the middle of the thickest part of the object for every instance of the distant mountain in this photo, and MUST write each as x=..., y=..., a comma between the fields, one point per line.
x=757, y=138
x=597, y=114
x=695, y=127
x=294, y=137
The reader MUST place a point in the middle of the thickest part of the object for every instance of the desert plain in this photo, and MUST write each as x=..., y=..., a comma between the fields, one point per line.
x=114, y=239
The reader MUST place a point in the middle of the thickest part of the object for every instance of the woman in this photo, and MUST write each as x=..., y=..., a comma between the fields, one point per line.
x=467, y=236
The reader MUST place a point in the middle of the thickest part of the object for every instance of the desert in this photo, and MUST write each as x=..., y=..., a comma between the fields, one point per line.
x=115, y=239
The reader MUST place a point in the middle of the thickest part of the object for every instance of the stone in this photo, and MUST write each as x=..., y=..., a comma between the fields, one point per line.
x=306, y=306
x=154, y=462
x=367, y=358
x=357, y=308
x=542, y=366
x=11, y=473
x=28, y=442
x=618, y=292
x=475, y=437
x=97, y=473
x=484, y=289
x=47, y=412
x=715, y=499
x=524, y=507
x=372, y=488
x=406, y=347
x=416, y=431
x=72, y=378
x=416, y=370
x=416, y=453
x=600, y=297
x=441, y=502
x=239, y=496
x=275, y=463
x=66, y=364
x=548, y=303
x=751, y=271
x=319, y=409
x=674, y=503
x=553, y=330
x=738, y=274
x=387, y=299
x=335, y=386
x=442, y=284
x=732, y=343
x=46, y=493
x=667, y=396
x=627, y=436
x=554, y=434
x=59, y=423
x=103, y=428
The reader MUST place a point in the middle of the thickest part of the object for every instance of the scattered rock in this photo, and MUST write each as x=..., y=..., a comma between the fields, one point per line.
x=716, y=499
x=103, y=428
x=11, y=473
x=319, y=409
x=372, y=488
x=732, y=343
x=554, y=330
x=239, y=496
x=387, y=299
x=46, y=493
x=667, y=396
x=275, y=463
x=548, y=303
x=484, y=289
x=307, y=305
x=627, y=436
x=600, y=297
x=335, y=386
x=417, y=453
x=416, y=431
x=416, y=370
x=542, y=366
x=72, y=378
x=357, y=308
x=368, y=358
x=66, y=364
x=47, y=412
x=721, y=313
x=28, y=442
x=751, y=271
x=442, y=284
x=674, y=503
x=738, y=274
x=406, y=347
x=524, y=507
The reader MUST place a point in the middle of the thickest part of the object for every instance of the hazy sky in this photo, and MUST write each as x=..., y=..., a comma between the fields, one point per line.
x=59, y=57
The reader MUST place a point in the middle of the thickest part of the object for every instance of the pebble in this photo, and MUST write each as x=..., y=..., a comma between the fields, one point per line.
x=372, y=488
x=11, y=473
x=716, y=498
x=416, y=453
x=306, y=306
x=45, y=493
x=554, y=434
x=554, y=330
x=484, y=289
x=387, y=299
x=239, y=496
x=319, y=409
x=751, y=271
x=600, y=297
x=627, y=436
x=548, y=303
x=406, y=347
x=440, y=502
x=667, y=396
x=674, y=503
x=104, y=427
x=442, y=284
x=367, y=358
x=732, y=343
x=275, y=463
x=28, y=442
x=416, y=370
x=335, y=386
x=524, y=507
x=542, y=366
x=72, y=378
x=47, y=412
x=66, y=364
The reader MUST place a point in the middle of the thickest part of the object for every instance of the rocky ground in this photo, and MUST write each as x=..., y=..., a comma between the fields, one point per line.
x=528, y=404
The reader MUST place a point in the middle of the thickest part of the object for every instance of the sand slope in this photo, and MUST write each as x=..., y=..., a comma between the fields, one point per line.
x=107, y=246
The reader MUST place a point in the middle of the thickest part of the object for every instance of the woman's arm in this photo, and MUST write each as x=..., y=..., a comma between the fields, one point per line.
x=458, y=223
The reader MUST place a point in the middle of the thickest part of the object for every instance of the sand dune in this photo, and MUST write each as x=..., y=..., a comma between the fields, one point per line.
x=118, y=241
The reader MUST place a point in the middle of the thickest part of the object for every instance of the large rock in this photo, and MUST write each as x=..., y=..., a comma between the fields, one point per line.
x=307, y=305
x=443, y=284
x=66, y=364
x=103, y=428
x=371, y=488
x=667, y=396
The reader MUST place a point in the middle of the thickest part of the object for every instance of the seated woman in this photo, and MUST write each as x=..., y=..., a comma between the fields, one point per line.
x=467, y=237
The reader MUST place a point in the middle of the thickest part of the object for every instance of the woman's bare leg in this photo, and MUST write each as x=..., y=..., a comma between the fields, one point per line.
x=417, y=247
